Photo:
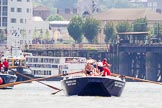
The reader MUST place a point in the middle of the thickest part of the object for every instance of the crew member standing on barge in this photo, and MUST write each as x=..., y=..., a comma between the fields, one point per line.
x=5, y=64
x=106, y=67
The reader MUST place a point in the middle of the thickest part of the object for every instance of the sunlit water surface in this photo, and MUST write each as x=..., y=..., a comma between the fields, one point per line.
x=36, y=95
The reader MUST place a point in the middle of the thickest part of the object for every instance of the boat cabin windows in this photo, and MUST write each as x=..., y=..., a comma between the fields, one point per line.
x=71, y=60
x=42, y=72
x=75, y=60
x=16, y=62
x=43, y=65
x=9, y=62
x=63, y=67
x=42, y=60
x=23, y=62
x=54, y=66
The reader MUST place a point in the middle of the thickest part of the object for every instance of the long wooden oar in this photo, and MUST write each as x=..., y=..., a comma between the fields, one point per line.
x=138, y=79
x=36, y=79
x=18, y=73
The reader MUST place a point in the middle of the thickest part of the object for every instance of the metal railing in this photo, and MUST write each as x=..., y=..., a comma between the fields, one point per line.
x=67, y=46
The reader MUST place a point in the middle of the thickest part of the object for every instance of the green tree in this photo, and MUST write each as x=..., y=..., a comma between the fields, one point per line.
x=55, y=18
x=75, y=28
x=47, y=34
x=91, y=29
x=157, y=29
x=35, y=34
x=109, y=32
x=123, y=27
x=140, y=25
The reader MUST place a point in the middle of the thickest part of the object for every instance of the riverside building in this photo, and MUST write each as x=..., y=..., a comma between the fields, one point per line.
x=18, y=24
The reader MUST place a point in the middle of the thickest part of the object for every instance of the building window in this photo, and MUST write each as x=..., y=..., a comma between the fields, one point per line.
x=4, y=21
x=21, y=20
x=4, y=11
x=58, y=11
x=12, y=9
x=21, y=42
x=27, y=10
x=13, y=20
x=67, y=11
x=5, y=2
x=19, y=0
x=75, y=11
x=0, y=22
x=19, y=10
x=0, y=11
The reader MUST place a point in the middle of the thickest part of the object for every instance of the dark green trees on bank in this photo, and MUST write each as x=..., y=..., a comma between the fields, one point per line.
x=109, y=32
x=75, y=28
x=88, y=27
x=157, y=31
x=123, y=26
x=140, y=25
x=91, y=29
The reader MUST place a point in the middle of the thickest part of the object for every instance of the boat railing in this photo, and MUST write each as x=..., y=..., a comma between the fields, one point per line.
x=68, y=46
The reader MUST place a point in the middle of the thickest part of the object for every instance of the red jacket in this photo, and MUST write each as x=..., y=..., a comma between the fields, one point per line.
x=5, y=63
x=105, y=63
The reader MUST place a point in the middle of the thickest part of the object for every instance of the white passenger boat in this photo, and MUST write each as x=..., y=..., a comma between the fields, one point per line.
x=45, y=66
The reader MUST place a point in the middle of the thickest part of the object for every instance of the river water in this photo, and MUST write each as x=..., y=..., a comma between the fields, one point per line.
x=36, y=95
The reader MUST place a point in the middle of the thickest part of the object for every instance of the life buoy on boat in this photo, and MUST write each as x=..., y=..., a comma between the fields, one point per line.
x=1, y=81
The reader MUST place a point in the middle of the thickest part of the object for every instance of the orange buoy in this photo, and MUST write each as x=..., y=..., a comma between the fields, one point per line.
x=1, y=81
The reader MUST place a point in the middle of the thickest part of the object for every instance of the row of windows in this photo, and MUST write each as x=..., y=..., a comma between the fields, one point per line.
x=44, y=60
x=5, y=2
x=43, y=65
x=19, y=10
x=21, y=0
x=42, y=72
x=13, y=20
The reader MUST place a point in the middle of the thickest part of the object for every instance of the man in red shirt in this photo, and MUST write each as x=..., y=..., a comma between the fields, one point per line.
x=106, y=67
x=5, y=64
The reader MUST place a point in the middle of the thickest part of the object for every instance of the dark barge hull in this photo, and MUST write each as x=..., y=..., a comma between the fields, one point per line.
x=7, y=78
x=93, y=86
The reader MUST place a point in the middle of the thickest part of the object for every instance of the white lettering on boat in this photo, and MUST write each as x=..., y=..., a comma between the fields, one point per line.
x=119, y=84
x=71, y=82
